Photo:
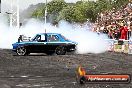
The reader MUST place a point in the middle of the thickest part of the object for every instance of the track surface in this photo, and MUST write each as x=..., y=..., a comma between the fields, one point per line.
x=41, y=71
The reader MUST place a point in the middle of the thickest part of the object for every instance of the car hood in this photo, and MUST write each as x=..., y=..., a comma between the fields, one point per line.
x=72, y=42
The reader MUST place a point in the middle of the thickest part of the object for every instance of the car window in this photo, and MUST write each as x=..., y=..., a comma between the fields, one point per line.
x=42, y=37
x=39, y=38
x=64, y=37
x=53, y=38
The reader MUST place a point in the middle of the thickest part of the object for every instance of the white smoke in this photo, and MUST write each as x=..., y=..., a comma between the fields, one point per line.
x=88, y=42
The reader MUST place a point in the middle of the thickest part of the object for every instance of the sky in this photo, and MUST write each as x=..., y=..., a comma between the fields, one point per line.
x=25, y=3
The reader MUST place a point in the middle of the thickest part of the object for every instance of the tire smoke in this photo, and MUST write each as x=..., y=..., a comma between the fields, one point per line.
x=88, y=41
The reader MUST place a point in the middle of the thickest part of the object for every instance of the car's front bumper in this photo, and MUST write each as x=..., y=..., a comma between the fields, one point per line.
x=14, y=50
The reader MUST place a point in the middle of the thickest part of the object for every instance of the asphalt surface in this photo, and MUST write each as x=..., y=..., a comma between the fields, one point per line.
x=42, y=71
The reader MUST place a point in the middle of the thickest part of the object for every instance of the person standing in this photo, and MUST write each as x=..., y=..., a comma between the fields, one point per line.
x=123, y=31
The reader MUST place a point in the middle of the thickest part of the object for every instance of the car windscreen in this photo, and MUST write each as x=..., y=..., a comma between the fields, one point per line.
x=64, y=37
x=35, y=38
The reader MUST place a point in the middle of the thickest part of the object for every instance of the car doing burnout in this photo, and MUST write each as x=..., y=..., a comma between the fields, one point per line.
x=48, y=43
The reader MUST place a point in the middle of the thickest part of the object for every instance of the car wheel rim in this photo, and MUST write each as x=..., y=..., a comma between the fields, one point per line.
x=60, y=50
x=21, y=51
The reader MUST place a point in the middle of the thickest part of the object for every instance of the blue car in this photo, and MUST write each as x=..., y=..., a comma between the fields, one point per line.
x=48, y=43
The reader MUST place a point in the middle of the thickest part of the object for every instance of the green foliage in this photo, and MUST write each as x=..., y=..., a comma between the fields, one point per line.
x=53, y=9
x=39, y=12
x=71, y=14
x=77, y=12
x=55, y=6
x=103, y=5
x=118, y=3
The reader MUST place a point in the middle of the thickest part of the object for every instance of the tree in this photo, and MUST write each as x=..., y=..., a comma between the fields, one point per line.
x=118, y=3
x=77, y=12
x=71, y=14
x=39, y=12
x=55, y=6
x=88, y=9
x=103, y=5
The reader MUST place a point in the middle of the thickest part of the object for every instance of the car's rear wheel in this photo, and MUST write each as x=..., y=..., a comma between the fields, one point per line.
x=60, y=50
x=21, y=51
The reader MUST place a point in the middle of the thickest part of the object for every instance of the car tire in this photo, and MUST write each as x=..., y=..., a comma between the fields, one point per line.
x=60, y=50
x=21, y=51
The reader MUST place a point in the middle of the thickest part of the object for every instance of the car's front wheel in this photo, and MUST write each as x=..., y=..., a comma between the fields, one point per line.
x=60, y=50
x=21, y=51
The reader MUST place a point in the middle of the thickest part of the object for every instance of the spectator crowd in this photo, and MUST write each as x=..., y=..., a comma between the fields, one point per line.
x=116, y=23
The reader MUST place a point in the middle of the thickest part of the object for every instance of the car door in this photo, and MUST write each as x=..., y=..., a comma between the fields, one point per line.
x=52, y=42
x=38, y=44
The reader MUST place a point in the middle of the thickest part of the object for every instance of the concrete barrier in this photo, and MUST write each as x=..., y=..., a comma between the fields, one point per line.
x=120, y=45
